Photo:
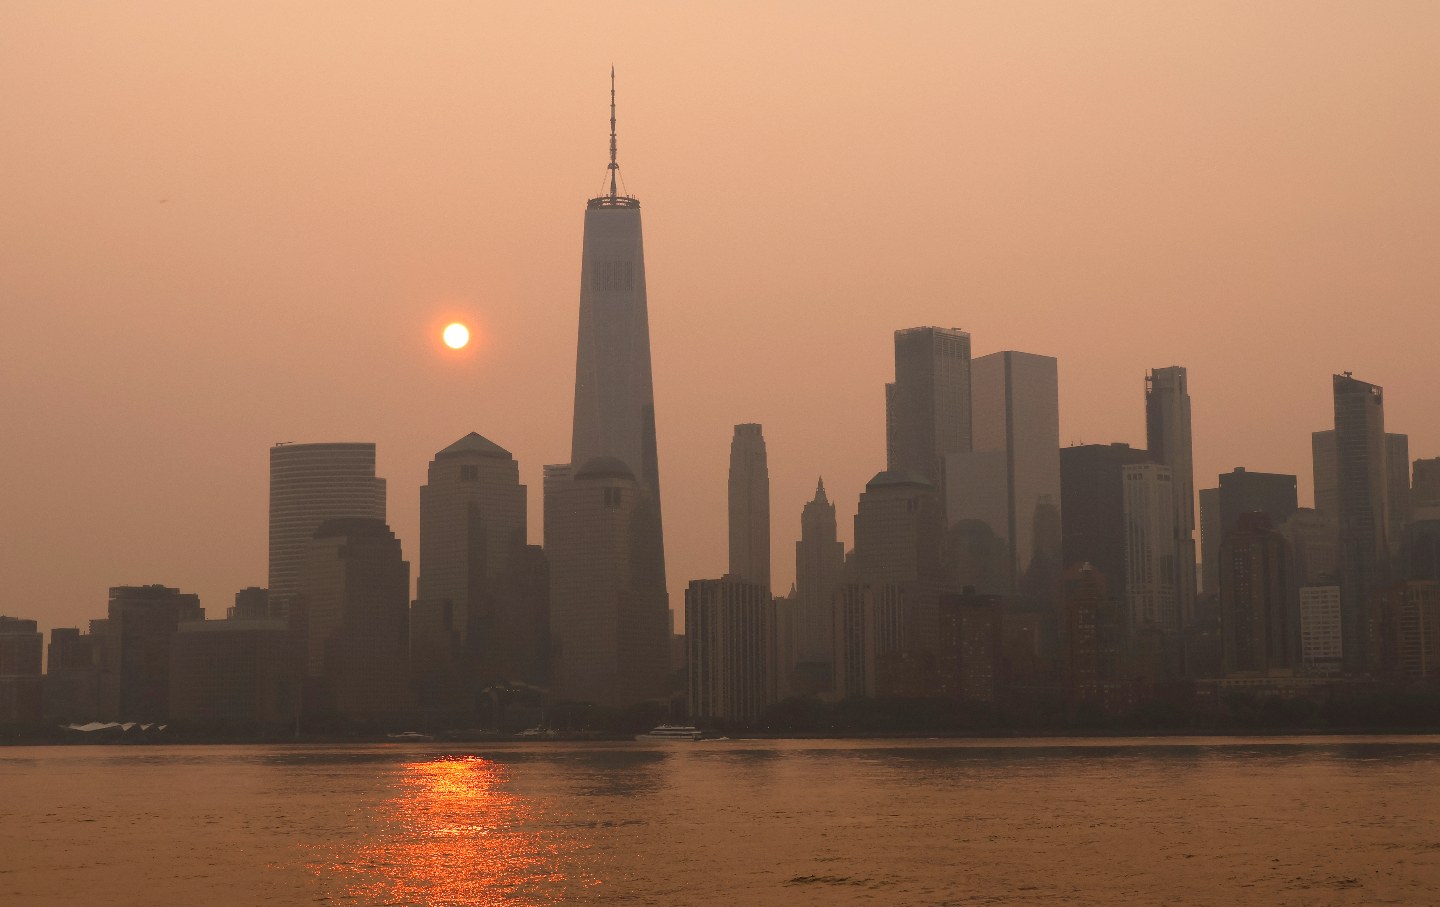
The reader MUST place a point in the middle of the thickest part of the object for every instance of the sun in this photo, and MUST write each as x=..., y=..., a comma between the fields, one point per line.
x=456, y=335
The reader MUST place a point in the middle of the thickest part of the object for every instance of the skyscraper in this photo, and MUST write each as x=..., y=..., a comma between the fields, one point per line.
x=1425, y=490
x=927, y=407
x=1322, y=464
x=135, y=672
x=1243, y=491
x=472, y=523
x=819, y=571
x=1092, y=488
x=1361, y=470
x=749, y=507
x=309, y=484
x=1015, y=411
x=1258, y=629
x=1167, y=432
x=899, y=531
x=1397, y=487
x=1151, y=599
x=609, y=617
x=353, y=611
x=1209, y=540
x=614, y=397
x=610, y=621
x=729, y=641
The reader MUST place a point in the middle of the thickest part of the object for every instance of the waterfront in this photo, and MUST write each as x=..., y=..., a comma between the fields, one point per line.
x=1148, y=820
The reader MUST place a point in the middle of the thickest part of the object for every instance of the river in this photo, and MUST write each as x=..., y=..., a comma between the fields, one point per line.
x=1310, y=820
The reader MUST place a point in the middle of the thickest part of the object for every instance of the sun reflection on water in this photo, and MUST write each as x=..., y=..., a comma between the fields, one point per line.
x=457, y=836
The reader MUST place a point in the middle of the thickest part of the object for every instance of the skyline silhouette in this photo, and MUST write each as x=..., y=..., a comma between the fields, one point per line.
x=213, y=252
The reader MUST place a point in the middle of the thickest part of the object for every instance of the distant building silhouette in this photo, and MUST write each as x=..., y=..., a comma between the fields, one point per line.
x=614, y=397
x=1152, y=601
x=927, y=406
x=1398, y=507
x=1321, y=635
x=1422, y=550
x=729, y=640
x=1243, y=491
x=309, y=484
x=1210, y=534
x=242, y=673
x=872, y=635
x=609, y=617
x=1409, y=617
x=481, y=613
x=135, y=650
x=21, y=683
x=1312, y=538
x=1361, y=473
x=819, y=572
x=1092, y=495
x=899, y=530
x=968, y=649
x=1325, y=473
x=1167, y=433
x=1094, y=644
x=251, y=603
x=749, y=507
x=72, y=676
x=1015, y=411
x=1257, y=627
x=353, y=615
x=1425, y=488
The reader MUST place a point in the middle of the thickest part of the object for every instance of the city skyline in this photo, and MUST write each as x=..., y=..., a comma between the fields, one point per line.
x=110, y=340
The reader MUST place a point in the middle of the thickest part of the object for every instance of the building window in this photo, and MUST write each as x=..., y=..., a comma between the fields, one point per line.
x=470, y=473
x=613, y=498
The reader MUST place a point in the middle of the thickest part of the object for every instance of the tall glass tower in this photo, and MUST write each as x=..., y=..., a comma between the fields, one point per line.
x=610, y=622
x=614, y=399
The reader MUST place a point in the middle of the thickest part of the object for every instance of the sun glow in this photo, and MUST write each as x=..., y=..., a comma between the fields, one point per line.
x=456, y=335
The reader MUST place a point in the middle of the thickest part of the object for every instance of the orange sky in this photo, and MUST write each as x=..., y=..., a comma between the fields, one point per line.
x=221, y=228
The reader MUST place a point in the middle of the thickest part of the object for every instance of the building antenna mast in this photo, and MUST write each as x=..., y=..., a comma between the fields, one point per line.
x=614, y=167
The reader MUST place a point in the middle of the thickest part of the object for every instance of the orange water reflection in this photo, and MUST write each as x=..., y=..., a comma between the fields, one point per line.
x=457, y=836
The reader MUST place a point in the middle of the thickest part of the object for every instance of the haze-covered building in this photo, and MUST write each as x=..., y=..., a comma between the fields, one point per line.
x=21, y=682
x=927, y=406
x=135, y=650
x=309, y=484
x=729, y=641
x=749, y=500
x=353, y=616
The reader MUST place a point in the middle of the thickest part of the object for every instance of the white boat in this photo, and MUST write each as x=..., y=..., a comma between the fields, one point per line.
x=672, y=732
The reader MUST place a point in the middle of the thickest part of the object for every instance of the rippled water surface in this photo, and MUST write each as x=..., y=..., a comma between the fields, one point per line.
x=1146, y=821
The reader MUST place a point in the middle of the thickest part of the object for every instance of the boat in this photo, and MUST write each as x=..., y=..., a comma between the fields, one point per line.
x=672, y=732
x=410, y=737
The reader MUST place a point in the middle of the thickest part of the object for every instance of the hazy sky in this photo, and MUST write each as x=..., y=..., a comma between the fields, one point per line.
x=223, y=226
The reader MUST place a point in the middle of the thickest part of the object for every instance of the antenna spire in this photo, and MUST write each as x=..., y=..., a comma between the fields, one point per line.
x=614, y=167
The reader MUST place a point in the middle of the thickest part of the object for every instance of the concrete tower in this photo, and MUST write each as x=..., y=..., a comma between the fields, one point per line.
x=1167, y=431
x=309, y=484
x=749, y=507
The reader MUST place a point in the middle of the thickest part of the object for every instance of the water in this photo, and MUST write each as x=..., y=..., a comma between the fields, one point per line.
x=1145, y=821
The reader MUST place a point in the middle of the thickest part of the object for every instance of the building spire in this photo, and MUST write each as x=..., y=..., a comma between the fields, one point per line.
x=820, y=489
x=614, y=166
